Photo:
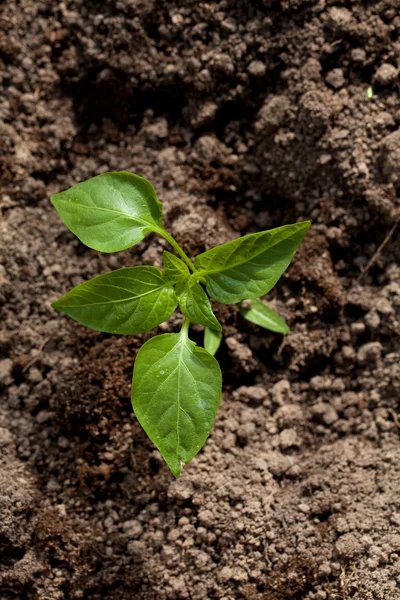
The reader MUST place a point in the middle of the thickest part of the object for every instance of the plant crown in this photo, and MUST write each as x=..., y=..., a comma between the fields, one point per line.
x=176, y=385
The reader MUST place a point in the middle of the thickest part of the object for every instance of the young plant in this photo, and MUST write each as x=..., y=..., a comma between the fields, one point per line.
x=176, y=386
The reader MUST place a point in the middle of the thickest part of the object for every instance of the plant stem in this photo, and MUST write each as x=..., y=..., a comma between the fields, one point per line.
x=185, y=328
x=176, y=247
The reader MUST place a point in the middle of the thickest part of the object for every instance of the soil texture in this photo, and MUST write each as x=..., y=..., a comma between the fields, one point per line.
x=245, y=116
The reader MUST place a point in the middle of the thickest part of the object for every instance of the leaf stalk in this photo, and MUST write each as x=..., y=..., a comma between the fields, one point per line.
x=185, y=328
x=176, y=247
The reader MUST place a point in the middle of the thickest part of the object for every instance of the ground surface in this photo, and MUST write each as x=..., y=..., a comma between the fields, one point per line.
x=245, y=116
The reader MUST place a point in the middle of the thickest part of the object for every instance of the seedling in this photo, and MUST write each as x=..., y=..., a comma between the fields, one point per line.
x=176, y=386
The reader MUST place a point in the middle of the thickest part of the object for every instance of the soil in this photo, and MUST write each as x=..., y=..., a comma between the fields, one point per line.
x=245, y=116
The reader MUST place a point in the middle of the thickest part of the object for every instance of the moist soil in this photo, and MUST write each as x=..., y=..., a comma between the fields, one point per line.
x=245, y=116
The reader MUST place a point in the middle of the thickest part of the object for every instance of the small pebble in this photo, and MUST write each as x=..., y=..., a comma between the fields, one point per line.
x=256, y=68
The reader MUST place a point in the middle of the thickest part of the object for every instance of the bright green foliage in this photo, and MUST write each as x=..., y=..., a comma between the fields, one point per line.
x=176, y=390
x=212, y=340
x=110, y=212
x=176, y=385
x=194, y=304
x=250, y=266
x=126, y=301
x=175, y=269
x=264, y=316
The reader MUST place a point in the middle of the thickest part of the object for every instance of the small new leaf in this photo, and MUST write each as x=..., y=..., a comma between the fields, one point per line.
x=250, y=266
x=194, y=304
x=110, y=212
x=264, y=316
x=176, y=390
x=175, y=269
x=125, y=301
x=212, y=340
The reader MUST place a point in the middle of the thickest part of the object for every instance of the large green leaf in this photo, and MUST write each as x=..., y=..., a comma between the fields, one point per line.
x=176, y=390
x=110, y=212
x=250, y=266
x=264, y=316
x=194, y=303
x=127, y=301
x=212, y=340
x=175, y=268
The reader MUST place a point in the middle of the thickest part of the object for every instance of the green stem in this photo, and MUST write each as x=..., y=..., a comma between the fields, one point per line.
x=185, y=328
x=176, y=247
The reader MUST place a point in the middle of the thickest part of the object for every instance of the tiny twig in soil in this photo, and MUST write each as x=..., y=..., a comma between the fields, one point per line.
x=343, y=583
x=31, y=362
x=378, y=252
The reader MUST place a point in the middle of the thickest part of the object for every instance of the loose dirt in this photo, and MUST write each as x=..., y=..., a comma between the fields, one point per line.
x=245, y=116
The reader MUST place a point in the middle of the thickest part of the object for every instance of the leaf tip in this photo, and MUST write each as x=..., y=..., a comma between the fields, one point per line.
x=55, y=304
x=175, y=468
x=58, y=304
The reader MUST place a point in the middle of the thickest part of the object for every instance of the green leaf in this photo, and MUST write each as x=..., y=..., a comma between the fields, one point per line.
x=250, y=266
x=264, y=316
x=110, y=212
x=175, y=268
x=212, y=340
x=176, y=390
x=127, y=301
x=194, y=303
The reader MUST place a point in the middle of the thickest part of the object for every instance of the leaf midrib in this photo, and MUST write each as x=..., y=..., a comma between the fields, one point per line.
x=183, y=346
x=244, y=260
x=115, y=212
x=177, y=370
x=117, y=301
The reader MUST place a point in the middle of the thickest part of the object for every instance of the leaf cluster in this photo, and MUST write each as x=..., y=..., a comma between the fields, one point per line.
x=176, y=386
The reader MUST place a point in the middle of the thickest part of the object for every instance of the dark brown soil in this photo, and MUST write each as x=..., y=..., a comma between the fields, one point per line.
x=245, y=116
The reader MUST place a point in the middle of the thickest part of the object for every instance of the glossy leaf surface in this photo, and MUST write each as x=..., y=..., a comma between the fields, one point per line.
x=264, y=316
x=212, y=340
x=175, y=268
x=194, y=303
x=110, y=212
x=127, y=301
x=250, y=266
x=176, y=390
